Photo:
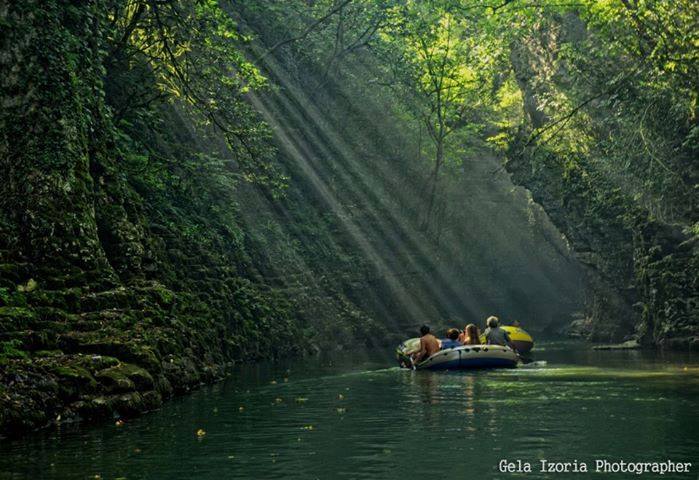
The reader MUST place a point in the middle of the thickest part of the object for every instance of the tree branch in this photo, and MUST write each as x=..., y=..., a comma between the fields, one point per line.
x=564, y=119
x=308, y=30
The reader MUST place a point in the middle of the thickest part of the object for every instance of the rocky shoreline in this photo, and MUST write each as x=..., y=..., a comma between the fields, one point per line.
x=61, y=388
x=114, y=354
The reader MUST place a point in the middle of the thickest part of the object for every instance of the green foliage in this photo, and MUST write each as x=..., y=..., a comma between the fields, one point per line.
x=12, y=349
x=449, y=65
x=189, y=53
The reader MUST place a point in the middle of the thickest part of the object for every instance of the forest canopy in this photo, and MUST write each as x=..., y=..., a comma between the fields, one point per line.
x=613, y=79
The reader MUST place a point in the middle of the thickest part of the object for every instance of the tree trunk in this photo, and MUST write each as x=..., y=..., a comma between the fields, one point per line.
x=434, y=178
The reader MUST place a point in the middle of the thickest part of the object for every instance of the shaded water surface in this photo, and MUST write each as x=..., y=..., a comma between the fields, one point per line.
x=357, y=416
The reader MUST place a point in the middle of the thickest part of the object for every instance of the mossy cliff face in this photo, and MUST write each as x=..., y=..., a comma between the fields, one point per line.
x=115, y=293
x=641, y=273
x=50, y=80
x=666, y=262
x=641, y=262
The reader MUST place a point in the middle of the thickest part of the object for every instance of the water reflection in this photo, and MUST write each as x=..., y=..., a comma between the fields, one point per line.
x=427, y=386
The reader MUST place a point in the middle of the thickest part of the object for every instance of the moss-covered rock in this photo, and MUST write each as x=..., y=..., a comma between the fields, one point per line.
x=73, y=380
x=119, y=298
x=48, y=353
x=16, y=318
x=96, y=363
x=125, y=377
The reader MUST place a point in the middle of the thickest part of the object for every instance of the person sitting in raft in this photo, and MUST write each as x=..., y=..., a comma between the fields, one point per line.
x=428, y=345
x=494, y=335
x=470, y=335
x=452, y=339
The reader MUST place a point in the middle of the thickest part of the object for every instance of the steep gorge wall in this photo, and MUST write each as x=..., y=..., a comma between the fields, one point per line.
x=642, y=270
x=78, y=337
x=116, y=289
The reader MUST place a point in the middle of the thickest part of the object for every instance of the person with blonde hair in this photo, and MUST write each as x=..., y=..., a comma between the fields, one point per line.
x=470, y=335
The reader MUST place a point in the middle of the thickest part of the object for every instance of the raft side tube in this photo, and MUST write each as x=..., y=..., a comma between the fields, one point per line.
x=464, y=357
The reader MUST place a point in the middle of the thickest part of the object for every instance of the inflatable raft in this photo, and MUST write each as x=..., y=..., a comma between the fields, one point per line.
x=458, y=358
x=522, y=341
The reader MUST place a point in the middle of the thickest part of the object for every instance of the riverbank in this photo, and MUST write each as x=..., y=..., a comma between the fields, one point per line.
x=72, y=355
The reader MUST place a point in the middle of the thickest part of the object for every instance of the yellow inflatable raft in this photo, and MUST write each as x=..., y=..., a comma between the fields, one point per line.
x=522, y=341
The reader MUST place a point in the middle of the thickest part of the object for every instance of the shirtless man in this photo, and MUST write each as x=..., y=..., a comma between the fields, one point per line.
x=428, y=345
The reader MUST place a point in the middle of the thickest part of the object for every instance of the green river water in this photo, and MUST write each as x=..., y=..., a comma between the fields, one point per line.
x=358, y=416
